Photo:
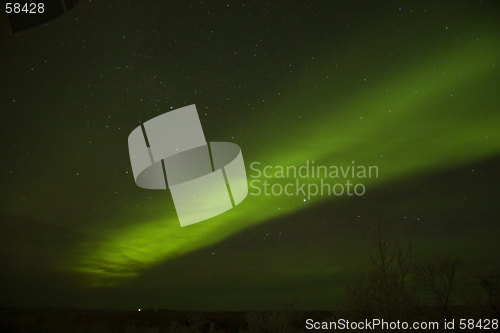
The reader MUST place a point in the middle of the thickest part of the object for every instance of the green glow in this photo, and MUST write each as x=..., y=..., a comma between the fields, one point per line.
x=418, y=121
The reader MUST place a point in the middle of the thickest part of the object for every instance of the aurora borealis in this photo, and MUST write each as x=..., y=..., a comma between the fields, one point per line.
x=409, y=87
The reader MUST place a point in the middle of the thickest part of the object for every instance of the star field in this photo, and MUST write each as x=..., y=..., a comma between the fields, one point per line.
x=409, y=87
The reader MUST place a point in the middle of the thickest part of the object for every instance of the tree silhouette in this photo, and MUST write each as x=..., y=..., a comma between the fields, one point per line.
x=386, y=292
x=442, y=279
x=399, y=288
x=490, y=283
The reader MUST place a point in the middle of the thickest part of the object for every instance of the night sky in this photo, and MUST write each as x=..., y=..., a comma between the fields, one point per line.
x=411, y=87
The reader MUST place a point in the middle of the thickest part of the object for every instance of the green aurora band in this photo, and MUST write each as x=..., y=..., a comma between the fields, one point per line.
x=418, y=119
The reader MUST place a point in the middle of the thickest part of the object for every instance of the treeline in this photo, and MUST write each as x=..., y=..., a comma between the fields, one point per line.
x=399, y=287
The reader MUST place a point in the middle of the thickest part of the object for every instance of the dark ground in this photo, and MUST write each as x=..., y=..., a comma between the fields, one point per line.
x=73, y=320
